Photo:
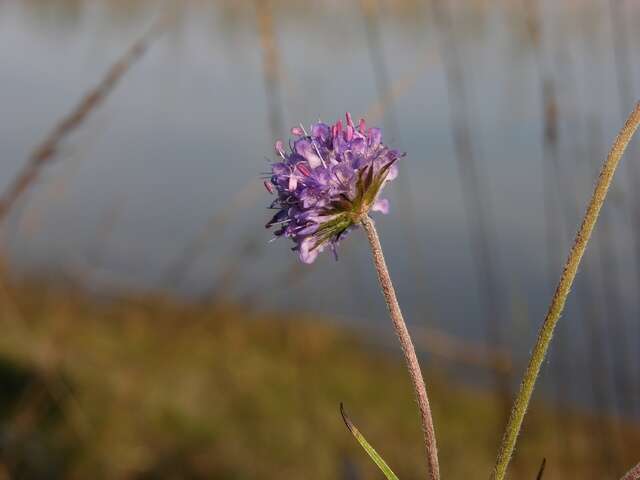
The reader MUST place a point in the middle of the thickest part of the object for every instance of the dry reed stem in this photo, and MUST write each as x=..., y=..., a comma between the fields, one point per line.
x=476, y=202
x=271, y=66
x=46, y=151
x=562, y=292
x=408, y=349
x=373, y=23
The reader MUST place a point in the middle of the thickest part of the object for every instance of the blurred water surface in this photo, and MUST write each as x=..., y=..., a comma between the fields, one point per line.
x=160, y=187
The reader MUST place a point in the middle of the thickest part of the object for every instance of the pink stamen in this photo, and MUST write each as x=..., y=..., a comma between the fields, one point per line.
x=303, y=169
x=349, y=133
x=297, y=131
x=349, y=119
x=268, y=186
x=280, y=148
x=362, y=126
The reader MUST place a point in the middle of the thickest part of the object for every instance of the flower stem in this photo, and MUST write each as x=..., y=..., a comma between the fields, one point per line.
x=562, y=291
x=407, y=346
x=633, y=474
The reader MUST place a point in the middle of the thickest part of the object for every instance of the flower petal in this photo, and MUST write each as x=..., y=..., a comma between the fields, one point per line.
x=392, y=173
x=381, y=205
x=293, y=182
x=321, y=131
x=375, y=137
x=307, y=252
x=306, y=149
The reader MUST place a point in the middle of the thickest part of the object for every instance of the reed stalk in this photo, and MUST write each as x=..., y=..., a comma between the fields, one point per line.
x=476, y=202
x=562, y=292
x=384, y=87
x=45, y=152
x=408, y=349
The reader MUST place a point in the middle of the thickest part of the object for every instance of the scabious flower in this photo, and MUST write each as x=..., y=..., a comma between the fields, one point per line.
x=326, y=182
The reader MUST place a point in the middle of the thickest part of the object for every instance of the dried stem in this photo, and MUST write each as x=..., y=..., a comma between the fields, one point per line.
x=407, y=346
x=562, y=291
x=45, y=152
x=633, y=474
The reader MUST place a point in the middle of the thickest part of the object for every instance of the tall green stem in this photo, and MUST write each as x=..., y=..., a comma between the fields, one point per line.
x=407, y=346
x=562, y=291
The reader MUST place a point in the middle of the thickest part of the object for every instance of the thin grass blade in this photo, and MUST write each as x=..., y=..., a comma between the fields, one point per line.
x=541, y=471
x=375, y=456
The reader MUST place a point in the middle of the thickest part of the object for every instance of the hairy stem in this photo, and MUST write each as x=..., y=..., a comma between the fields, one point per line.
x=562, y=291
x=633, y=474
x=407, y=346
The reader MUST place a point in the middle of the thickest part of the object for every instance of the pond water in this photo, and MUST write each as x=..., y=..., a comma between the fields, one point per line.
x=160, y=187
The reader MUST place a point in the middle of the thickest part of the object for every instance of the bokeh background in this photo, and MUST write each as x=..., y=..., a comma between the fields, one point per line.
x=149, y=328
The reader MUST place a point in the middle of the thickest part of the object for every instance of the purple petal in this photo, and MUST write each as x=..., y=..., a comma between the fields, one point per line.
x=307, y=252
x=375, y=137
x=280, y=168
x=392, y=173
x=293, y=182
x=306, y=149
x=381, y=205
x=358, y=146
x=321, y=131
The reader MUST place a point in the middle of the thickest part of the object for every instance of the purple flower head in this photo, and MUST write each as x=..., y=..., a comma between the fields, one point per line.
x=330, y=177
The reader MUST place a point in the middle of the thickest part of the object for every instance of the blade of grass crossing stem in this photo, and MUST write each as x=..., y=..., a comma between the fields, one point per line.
x=375, y=456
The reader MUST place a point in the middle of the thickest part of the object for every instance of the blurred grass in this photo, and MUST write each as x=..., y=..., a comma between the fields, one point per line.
x=146, y=387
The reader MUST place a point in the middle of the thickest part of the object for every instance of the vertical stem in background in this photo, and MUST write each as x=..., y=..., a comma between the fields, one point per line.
x=562, y=292
x=270, y=67
x=406, y=199
x=474, y=195
x=407, y=347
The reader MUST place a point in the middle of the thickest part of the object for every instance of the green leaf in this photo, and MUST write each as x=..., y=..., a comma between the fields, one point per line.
x=382, y=465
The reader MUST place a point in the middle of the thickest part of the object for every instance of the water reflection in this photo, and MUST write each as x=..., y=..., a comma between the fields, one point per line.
x=163, y=178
